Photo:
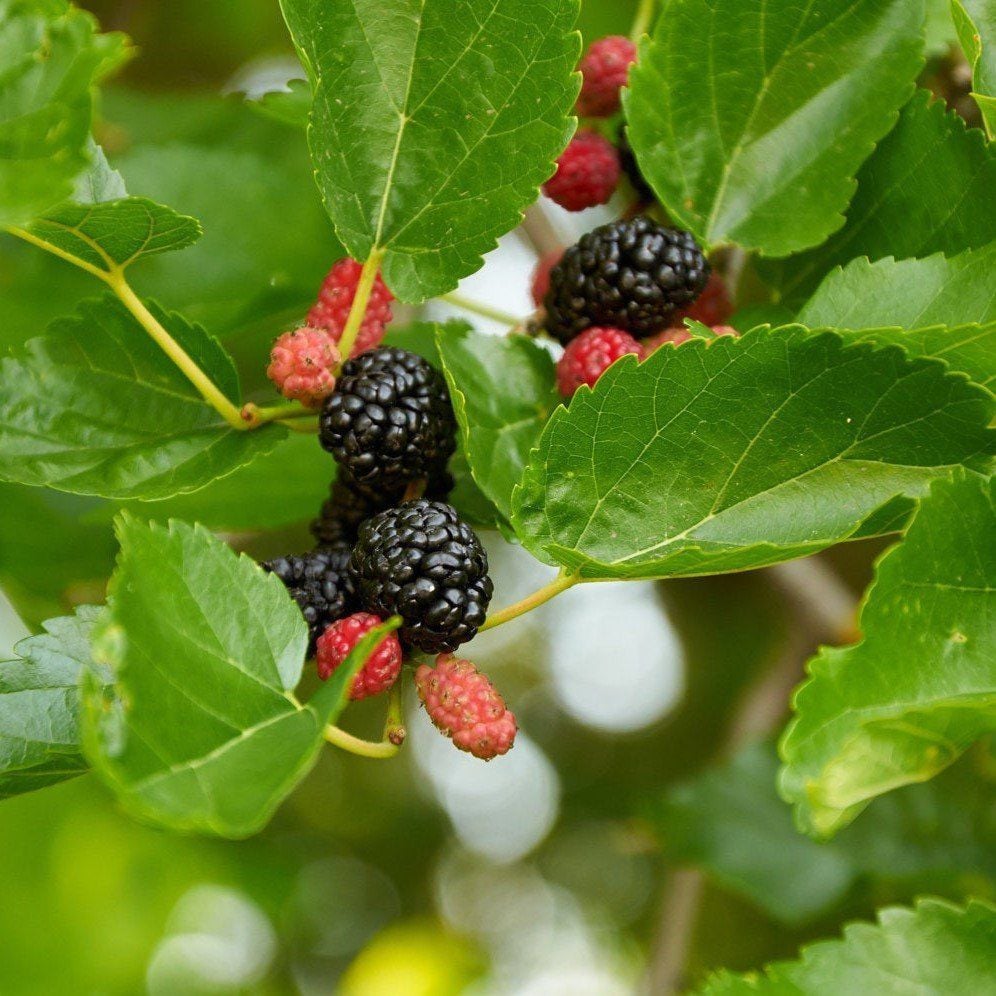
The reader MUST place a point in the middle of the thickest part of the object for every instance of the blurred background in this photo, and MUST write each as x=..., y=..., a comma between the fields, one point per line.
x=563, y=868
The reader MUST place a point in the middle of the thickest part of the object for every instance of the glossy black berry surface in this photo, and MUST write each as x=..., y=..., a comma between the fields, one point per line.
x=389, y=420
x=632, y=275
x=320, y=584
x=421, y=562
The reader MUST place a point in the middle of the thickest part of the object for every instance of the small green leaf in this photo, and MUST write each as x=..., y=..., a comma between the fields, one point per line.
x=921, y=687
x=39, y=705
x=928, y=188
x=730, y=454
x=730, y=822
x=104, y=229
x=95, y=407
x=52, y=57
x=503, y=393
x=969, y=349
x=202, y=731
x=911, y=294
x=935, y=947
x=434, y=122
x=749, y=119
x=975, y=22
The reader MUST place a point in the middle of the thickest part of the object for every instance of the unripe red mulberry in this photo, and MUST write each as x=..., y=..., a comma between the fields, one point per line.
x=464, y=705
x=302, y=365
x=588, y=356
x=337, y=642
x=541, y=275
x=604, y=71
x=335, y=299
x=587, y=173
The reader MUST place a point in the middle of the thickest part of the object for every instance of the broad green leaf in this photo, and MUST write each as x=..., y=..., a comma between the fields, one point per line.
x=202, y=731
x=103, y=229
x=729, y=454
x=912, y=293
x=51, y=57
x=975, y=21
x=927, y=189
x=730, y=822
x=503, y=392
x=935, y=947
x=434, y=122
x=283, y=487
x=95, y=407
x=969, y=349
x=749, y=118
x=921, y=687
x=39, y=705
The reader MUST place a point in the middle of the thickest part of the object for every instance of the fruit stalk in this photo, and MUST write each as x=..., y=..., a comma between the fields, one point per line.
x=359, y=307
x=560, y=583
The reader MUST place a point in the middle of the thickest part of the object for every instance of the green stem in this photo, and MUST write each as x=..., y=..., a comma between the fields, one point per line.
x=359, y=307
x=363, y=748
x=308, y=426
x=114, y=277
x=641, y=22
x=539, y=597
x=209, y=391
x=484, y=310
x=255, y=415
x=394, y=724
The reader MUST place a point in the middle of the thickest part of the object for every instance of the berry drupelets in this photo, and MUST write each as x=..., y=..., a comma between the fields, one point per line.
x=302, y=365
x=381, y=669
x=604, y=72
x=389, y=420
x=319, y=582
x=421, y=562
x=587, y=173
x=463, y=704
x=631, y=275
x=589, y=355
x=335, y=299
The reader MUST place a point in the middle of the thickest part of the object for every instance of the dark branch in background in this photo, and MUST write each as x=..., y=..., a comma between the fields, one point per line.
x=822, y=611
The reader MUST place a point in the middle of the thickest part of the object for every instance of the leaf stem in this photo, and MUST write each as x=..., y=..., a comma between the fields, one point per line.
x=379, y=750
x=359, y=307
x=394, y=724
x=641, y=21
x=209, y=391
x=560, y=583
x=484, y=310
x=254, y=415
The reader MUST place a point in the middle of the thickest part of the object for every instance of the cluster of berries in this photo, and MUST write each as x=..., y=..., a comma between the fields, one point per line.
x=625, y=288
x=589, y=169
x=388, y=544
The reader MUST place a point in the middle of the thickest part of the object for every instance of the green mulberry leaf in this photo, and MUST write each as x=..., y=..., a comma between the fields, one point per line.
x=730, y=822
x=102, y=229
x=39, y=705
x=434, y=122
x=911, y=293
x=975, y=21
x=935, y=947
x=503, y=393
x=95, y=407
x=749, y=119
x=921, y=687
x=729, y=454
x=52, y=57
x=928, y=188
x=201, y=730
